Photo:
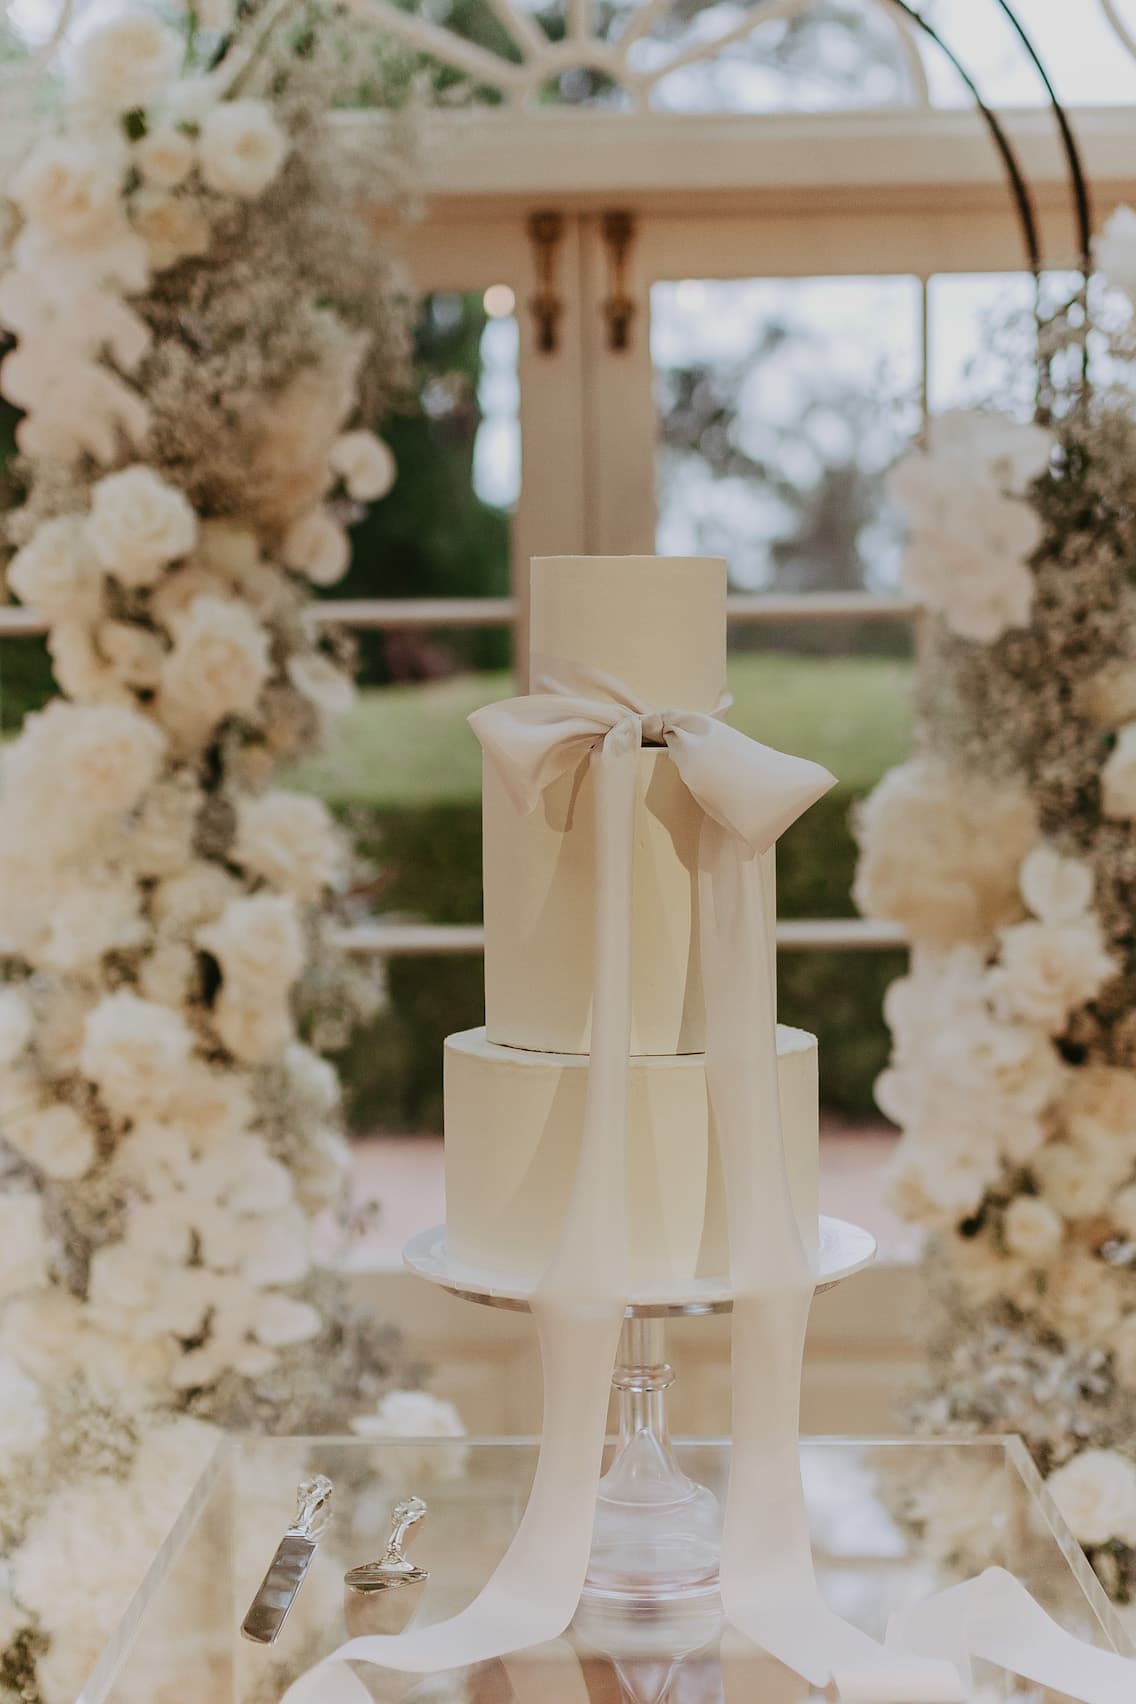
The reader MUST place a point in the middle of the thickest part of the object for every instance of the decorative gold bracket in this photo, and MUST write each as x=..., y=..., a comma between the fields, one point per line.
x=546, y=229
x=619, y=306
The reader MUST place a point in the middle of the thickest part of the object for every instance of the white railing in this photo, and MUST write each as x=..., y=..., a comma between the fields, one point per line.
x=420, y=940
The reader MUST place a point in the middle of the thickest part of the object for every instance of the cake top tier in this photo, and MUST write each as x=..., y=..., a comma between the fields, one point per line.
x=655, y=623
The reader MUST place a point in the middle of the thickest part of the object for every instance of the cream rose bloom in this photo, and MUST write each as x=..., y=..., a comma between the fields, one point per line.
x=1056, y=889
x=96, y=912
x=311, y=1079
x=255, y=1031
x=218, y=665
x=940, y=852
x=940, y=1173
x=80, y=669
x=54, y=1139
x=164, y=157
x=1047, y=970
x=289, y=839
x=133, y=1051
x=318, y=680
x=56, y=571
x=365, y=464
x=1123, y=1347
x=1096, y=1494
x=125, y=63
x=316, y=545
x=1068, y=1178
x=23, y=1244
x=15, y=1025
x=1032, y=1229
x=173, y=227
x=1082, y=1298
x=108, y=758
x=139, y=524
x=258, y=944
x=161, y=835
x=1109, y=697
x=230, y=550
x=182, y=903
x=168, y=973
x=1118, y=777
x=1114, y=250
x=69, y=185
x=241, y=148
x=176, y=593
x=23, y=1418
x=406, y=1415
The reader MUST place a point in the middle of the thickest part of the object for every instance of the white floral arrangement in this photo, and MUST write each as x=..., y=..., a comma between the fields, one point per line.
x=1006, y=848
x=201, y=325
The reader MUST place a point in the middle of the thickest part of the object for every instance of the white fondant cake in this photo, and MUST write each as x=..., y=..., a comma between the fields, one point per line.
x=513, y=1122
x=514, y=1091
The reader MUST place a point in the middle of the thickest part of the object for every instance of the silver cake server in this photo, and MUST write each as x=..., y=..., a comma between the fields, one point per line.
x=383, y=1596
x=280, y=1586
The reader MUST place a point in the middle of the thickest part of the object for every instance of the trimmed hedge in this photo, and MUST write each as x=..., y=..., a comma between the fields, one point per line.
x=431, y=859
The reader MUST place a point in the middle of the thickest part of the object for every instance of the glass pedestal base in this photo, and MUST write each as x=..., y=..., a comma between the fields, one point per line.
x=657, y=1533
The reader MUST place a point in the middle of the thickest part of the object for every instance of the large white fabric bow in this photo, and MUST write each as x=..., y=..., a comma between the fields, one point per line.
x=749, y=794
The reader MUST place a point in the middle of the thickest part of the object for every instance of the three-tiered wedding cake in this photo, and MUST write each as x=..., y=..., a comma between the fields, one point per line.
x=514, y=1089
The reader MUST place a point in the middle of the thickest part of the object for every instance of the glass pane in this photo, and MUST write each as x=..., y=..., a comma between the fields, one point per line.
x=782, y=402
x=882, y=1516
x=982, y=337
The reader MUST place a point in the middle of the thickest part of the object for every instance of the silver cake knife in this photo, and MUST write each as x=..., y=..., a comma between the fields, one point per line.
x=280, y=1586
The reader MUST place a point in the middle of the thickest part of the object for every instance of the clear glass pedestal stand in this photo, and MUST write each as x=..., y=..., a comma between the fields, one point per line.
x=657, y=1532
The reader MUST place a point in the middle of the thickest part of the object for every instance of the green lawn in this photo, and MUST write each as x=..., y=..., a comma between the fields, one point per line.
x=409, y=746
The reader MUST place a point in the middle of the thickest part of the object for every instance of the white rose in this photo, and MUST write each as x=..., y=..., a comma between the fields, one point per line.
x=23, y=1244
x=256, y=1031
x=1123, y=1346
x=56, y=571
x=1122, y=1211
x=15, y=1025
x=259, y=946
x=229, y=550
x=321, y=683
x=109, y=757
x=23, y=1419
x=173, y=227
x=290, y=840
x=1108, y=697
x=241, y=148
x=80, y=669
x=280, y=1320
x=177, y=592
x=1114, y=250
x=945, y=1168
x=161, y=835
x=1082, y=1298
x=316, y=545
x=1118, y=777
x=164, y=157
x=133, y=654
x=412, y=1415
x=70, y=186
x=168, y=972
x=212, y=1107
x=133, y=1051
x=1032, y=1229
x=55, y=1140
x=276, y=1248
x=126, y=63
x=1096, y=1494
x=1056, y=889
x=365, y=465
x=138, y=524
x=1049, y=969
x=1068, y=1179
x=941, y=851
x=97, y=913
x=311, y=1079
x=219, y=662
x=183, y=902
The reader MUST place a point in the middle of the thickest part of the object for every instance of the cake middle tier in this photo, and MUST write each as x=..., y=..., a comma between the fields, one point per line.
x=513, y=1125
x=540, y=906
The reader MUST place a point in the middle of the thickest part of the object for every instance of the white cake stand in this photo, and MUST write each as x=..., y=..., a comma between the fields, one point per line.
x=657, y=1532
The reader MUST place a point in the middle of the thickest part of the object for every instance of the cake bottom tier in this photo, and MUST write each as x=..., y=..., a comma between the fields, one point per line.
x=513, y=1123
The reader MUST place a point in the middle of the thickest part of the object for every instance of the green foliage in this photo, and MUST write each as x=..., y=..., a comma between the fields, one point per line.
x=433, y=536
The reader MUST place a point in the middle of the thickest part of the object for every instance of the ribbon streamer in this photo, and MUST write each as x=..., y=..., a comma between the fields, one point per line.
x=749, y=794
